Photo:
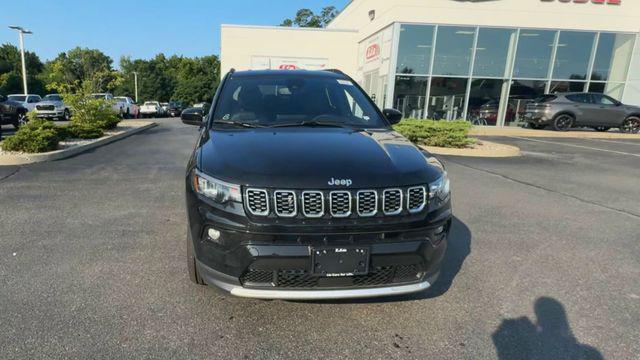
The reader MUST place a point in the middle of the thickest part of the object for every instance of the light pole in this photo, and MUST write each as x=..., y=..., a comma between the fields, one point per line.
x=135, y=84
x=22, y=31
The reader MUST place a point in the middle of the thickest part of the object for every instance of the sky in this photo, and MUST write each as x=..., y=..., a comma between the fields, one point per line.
x=139, y=28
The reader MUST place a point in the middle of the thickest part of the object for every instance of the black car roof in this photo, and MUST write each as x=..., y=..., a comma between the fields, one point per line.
x=332, y=74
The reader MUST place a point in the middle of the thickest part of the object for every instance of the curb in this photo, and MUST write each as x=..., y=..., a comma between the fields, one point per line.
x=489, y=150
x=573, y=134
x=65, y=153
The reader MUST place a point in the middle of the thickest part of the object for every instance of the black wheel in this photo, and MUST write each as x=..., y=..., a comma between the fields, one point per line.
x=67, y=115
x=601, y=128
x=21, y=120
x=631, y=125
x=563, y=122
x=191, y=262
x=127, y=115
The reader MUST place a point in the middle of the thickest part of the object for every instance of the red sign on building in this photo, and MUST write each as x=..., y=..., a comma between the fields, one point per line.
x=373, y=51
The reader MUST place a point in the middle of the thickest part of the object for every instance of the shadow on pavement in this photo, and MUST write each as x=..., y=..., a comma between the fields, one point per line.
x=549, y=337
x=458, y=248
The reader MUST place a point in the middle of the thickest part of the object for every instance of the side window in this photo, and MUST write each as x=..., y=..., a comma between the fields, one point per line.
x=579, y=98
x=602, y=100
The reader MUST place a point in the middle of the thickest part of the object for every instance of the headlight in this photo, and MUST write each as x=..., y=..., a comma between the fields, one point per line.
x=440, y=188
x=216, y=190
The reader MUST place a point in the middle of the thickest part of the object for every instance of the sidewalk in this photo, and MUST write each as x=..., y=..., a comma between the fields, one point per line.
x=576, y=133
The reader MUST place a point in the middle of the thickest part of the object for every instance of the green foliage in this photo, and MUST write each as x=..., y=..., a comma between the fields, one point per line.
x=90, y=112
x=84, y=131
x=80, y=69
x=451, y=134
x=307, y=18
x=35, y=137
x=11, y=71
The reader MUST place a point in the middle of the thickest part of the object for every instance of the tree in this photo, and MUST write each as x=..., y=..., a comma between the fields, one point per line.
x=197, y=79
x=307, y=18
x=11, y=71
x=79, y=69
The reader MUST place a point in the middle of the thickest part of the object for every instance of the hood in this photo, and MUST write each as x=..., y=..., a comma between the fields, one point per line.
x=309, y=158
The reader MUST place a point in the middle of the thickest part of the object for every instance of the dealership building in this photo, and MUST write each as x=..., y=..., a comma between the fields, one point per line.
x=449, y=59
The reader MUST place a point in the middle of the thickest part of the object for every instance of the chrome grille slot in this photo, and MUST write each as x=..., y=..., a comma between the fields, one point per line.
x=285, y=203
x=367, y=202
x=340, y=203
x=257, y=202
x=312, y=204
x=392, y=201
x=416, y=199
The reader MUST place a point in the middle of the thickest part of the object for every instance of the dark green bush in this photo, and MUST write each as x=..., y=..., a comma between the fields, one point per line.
x=88, y=111
x=35, y=137
x=451, y=134
x=84, y=131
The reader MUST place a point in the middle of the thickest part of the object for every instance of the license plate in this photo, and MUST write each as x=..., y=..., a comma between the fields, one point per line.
x=340, y=261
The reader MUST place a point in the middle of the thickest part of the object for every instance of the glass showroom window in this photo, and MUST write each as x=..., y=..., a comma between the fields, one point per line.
x=446, y=98
x=521, y=93
x=484, y=101
x=567, y=86
x=612, y=57
x=409, y=96
x=534, y=54
x=494, y=48
x=454, y=47
x=615, y=90
x=573, y=55
x=414, y=49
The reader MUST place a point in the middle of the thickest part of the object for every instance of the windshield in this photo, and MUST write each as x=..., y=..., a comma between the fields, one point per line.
x=53, y=98
x=17, y=97
x=285, y=99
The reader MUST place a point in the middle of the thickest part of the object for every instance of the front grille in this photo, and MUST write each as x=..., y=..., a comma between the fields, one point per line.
x=45, y=107
x=301, y=279
x=285, y=203
x=257, y=202
x=416, y=199
x=335, y=204
x=367, y=202
x=392, y=201
x=340, y=203
x=312, y=204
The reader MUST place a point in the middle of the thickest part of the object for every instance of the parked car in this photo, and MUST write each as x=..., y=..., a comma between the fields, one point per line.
x=12, y=112
x=299, y=188
x=130, y=109
x=175, y=108
x=165, y=108
x=151, y=109
x=562, y=111
x=52, y=107
x=28, y=101
x=199, y=109
x=117, y=106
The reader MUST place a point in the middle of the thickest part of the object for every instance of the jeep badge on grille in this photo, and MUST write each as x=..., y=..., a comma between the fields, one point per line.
x=340, y=182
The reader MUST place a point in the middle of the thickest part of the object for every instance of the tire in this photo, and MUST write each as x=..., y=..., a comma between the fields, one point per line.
x=631, y=125
x=127, y=115
x=563, y=122
x=601, y=128
x=192, y=269
x=20, y=121
x=67, y=115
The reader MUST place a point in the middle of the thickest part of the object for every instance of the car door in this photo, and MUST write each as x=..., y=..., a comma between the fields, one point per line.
x=582, y=108
x=607, y=111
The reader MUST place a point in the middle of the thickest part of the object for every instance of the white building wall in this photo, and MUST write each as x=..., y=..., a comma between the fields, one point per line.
x=632, y=89
x=259, y=47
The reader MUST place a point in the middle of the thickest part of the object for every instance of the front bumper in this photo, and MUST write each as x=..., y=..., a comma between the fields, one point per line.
x=275, y=262
x=49, y=114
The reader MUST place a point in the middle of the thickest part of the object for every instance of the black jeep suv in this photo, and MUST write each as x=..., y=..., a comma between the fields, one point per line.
x=299, y=188
x=12, y=112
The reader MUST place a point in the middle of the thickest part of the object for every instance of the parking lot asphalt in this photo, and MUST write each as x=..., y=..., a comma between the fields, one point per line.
x=544, y=263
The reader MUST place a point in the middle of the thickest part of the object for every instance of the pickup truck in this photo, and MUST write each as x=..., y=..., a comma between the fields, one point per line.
x=151, y=109
x=12, y=112
x=28, y=101
x=53, y=107
x=130, y=108
x=117, y=106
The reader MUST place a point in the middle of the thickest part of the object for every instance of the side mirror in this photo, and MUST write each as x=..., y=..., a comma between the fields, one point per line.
x=393, y=116
x=192, y=118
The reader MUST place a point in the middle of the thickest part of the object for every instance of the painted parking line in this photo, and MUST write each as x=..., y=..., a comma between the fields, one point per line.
x=619, y=142
x=576, y=146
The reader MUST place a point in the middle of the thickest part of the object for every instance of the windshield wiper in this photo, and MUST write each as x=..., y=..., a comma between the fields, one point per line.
x=312, y=123
x=238, y=123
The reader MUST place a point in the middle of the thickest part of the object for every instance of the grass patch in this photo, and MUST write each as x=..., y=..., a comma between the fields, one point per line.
x=447, y=134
